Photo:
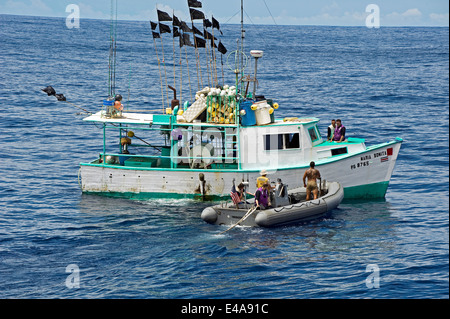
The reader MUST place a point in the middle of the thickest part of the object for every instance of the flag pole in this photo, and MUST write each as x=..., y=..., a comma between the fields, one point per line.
x=165, y=72
x=176, y=27
x=197, y=57
x=207, y=65
x=164, y=16
x=160, y=75
x=223, y=74
x=196, y=15
x=181, y=76
x=189, y=74
x=174, y=72
x=214, y=56
x=208, y=60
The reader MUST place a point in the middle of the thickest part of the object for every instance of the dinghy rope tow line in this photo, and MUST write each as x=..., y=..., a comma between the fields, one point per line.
x=61, y=98
x=247, y=215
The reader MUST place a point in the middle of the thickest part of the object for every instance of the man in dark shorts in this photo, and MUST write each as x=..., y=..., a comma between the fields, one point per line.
x=312, y=175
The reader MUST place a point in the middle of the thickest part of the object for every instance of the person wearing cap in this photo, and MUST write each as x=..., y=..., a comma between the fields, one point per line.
x=263, y=179
x=260, y=181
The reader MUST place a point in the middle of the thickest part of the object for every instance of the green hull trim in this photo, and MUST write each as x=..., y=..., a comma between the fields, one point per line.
x=369, y=191
x=148, y=196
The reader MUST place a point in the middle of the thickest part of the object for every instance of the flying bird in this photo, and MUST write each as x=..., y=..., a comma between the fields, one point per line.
x=60, y=97
x=50, y=91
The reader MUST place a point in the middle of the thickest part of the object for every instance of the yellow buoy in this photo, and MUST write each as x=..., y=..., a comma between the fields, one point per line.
x=254, y=107
x=275, y=106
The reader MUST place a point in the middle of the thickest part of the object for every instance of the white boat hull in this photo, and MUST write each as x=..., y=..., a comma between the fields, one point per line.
x=363, y=175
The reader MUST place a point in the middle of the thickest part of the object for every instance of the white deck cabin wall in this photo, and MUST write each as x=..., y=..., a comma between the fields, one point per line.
x=255, y=156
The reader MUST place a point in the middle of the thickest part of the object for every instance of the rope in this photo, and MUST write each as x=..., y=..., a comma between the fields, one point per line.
x=79, y=107
x=270, y=12
x=298, y=206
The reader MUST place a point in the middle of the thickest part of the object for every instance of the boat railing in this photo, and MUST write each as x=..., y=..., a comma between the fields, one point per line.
x=166, y=161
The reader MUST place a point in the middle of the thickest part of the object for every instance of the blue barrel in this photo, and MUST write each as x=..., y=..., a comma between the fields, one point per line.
x=108, y=102
x=108, y=107
x=249, y=118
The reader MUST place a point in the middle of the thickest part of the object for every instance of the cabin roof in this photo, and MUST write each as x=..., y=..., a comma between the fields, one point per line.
x=148, y=119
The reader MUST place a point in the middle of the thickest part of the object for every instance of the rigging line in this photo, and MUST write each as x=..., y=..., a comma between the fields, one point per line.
x=262, y=37
x=232, y=17
x=270, y=12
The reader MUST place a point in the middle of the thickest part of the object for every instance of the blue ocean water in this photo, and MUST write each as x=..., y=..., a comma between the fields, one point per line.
x=382, y=83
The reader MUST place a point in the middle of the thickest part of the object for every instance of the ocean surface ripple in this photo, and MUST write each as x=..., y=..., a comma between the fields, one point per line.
x=383, y=83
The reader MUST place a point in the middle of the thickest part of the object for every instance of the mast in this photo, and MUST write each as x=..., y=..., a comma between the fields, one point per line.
x=112, y=50
x=242, y=43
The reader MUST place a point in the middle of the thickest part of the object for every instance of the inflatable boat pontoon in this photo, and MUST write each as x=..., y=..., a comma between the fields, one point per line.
x=289, y=208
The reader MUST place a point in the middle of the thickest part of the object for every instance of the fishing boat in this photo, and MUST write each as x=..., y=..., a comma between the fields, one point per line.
x=196, y=149
x=288, y=208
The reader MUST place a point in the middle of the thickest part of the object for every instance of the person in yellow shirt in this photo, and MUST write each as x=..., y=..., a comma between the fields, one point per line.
x=260, y=181
x=263, y=179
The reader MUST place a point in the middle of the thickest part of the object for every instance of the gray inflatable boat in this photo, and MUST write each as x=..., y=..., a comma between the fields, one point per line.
x=289, y=207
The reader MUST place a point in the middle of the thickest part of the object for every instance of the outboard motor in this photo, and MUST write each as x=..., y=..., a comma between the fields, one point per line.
x=280, y=197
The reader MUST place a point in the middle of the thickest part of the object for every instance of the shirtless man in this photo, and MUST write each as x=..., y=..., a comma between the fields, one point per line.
x=312, y=174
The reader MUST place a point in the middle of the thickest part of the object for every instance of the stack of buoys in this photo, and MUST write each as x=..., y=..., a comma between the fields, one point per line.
x=221, y=104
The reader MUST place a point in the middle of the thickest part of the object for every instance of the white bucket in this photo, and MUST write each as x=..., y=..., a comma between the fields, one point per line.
x=262, y=113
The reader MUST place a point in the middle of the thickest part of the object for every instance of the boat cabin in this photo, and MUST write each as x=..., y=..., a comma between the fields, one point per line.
x=204, y=144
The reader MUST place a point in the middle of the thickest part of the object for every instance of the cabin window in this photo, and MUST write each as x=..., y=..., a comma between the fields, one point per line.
x=281, y=141
x=339, y=151
x=313, y=133
x=292, y=140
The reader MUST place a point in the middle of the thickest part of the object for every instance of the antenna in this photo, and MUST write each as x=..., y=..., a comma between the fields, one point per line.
x=256, y=54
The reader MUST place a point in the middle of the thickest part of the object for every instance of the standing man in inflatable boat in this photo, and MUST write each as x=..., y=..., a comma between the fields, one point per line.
x=312, y=175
